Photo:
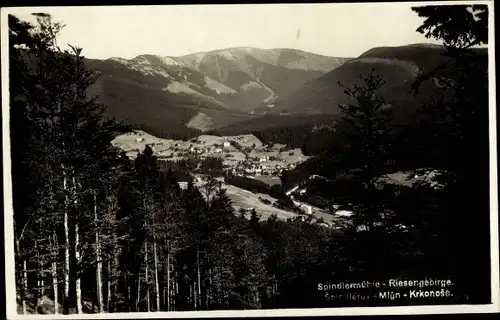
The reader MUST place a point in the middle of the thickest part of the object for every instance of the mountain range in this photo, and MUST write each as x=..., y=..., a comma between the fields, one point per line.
x=202, y=91
x=242, y=90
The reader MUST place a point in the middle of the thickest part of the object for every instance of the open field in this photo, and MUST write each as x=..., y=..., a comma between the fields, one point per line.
x=244, y=199
x=137, y=140
x=407, y=179
x=246, y=140
x=270, y=180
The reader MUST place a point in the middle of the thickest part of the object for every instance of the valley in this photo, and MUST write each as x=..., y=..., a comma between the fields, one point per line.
x=247, y=157
x=242, y=156
x=259, y=143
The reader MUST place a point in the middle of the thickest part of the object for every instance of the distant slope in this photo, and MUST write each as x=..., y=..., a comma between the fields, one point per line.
x=161, y=95
x=398, y=66
x=258, y=74
x=295, y=117
x=183, y=96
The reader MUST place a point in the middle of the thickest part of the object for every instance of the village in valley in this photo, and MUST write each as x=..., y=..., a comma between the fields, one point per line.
x=242, y=156
x=247, y=157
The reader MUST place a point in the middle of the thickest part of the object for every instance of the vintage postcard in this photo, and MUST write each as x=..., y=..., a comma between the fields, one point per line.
x=250, y=160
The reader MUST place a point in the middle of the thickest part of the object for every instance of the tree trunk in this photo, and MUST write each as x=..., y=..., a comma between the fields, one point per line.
x=173, y=296
x=117, y=280
x=108, y=298
x=157, y=283
x=41, y=277
x=100, y=304
x=17, y=263
x=191, y=293
x=37, y=273
x=66, y=249
x=168, y=280
x=209, y=292
x=54, y=285
x=199, y=276
x=138, y=298
x=78, y=273
x=176, y=294
x=165, y=287
x=195, y=296
x=54, y=274
x=25, y=286
x=146, y=277
x=129, y=295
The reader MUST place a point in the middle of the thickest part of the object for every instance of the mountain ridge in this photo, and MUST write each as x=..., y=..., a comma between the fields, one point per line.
x=219, y=88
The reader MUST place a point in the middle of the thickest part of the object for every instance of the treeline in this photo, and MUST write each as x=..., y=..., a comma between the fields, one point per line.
x=312, y=139
x=183, y=168
x=179, y=132
x=248, y=184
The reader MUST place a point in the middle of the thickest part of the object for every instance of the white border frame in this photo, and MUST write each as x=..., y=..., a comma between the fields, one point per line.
x=11, y=304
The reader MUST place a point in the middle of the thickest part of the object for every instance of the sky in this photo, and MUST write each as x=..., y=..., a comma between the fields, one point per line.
x=340, y=30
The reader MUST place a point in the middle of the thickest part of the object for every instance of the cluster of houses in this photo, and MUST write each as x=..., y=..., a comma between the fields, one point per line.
x=260, y=167
x=210, y=149
x=245, y=164
x=257, y=166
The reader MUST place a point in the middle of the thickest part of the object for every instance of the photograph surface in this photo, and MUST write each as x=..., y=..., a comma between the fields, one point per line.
x=248, y=157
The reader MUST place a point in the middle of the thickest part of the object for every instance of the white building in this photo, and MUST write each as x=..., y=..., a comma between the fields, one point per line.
x=139, y=139
x=309, y=209
x=227, y=144
x=344, y=213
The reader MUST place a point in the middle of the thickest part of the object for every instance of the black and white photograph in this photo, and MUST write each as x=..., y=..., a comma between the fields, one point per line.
x=249, y=160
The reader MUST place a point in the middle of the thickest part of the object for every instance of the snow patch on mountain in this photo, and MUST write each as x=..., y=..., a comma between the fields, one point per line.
x=301, y=64
x=178, y=87
x=266, y=56
x=171, y=61
x=249, y=85
x=144, y=66
x=193, y=60
x=217, y=86
x=227, y=54
x=120, y=60
x=185, y=87
x=201, y=122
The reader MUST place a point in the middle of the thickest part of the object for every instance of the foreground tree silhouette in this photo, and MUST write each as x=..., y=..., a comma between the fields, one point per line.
x=66, y=135
x=458, y=126
x=365, y=156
